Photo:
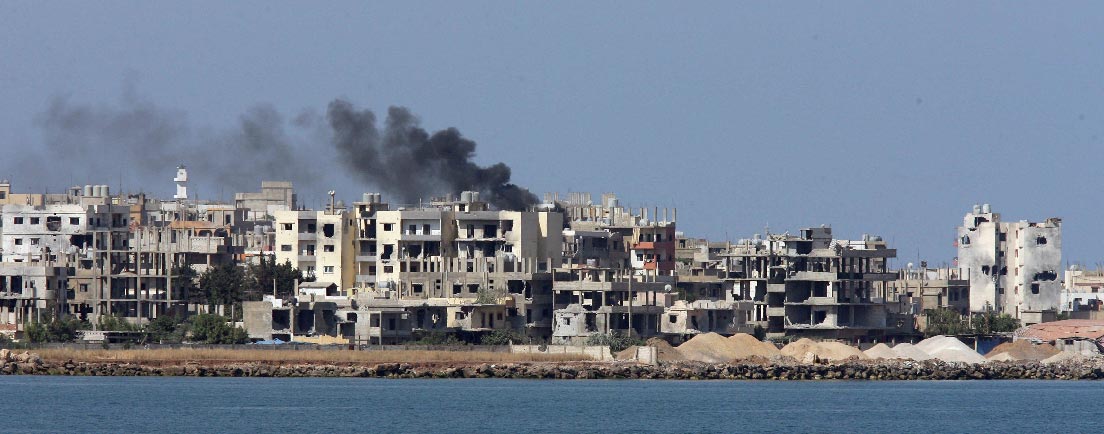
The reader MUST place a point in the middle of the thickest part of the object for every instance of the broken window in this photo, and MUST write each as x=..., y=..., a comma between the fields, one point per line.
x=1046, y=275
x=985, y=269
x=473, y=288
x=388, y=249
x=412, y=230
x=417, y=287
x=328, y=230
x=1034, y=288
x=425, y=229
x=1040, y=240
x=965, y=240
x=456, y=289
x=672, y=318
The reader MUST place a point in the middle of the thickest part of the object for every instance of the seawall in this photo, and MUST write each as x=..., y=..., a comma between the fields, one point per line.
x=879, y=370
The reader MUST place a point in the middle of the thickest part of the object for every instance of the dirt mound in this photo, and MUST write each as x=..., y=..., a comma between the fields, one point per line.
x=714, y=348
x=881, y=351
x=665, y=352
x=949, y=349
x=1023, y=350
x=749, y=346
x=626, y=354
x=709, y=348
x=807, y=350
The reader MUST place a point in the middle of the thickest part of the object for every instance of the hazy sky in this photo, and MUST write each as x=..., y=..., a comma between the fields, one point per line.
x=888, y=118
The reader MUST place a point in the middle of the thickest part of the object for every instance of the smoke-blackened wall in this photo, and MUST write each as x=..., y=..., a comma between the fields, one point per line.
x=409, y=162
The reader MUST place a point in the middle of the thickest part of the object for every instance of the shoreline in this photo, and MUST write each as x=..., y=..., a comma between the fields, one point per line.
x=880, y=370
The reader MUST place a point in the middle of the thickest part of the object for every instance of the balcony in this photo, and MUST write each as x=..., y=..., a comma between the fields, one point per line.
x=307, y=236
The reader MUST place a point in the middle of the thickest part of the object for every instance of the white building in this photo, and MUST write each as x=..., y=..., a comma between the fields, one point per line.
x=1013, y=266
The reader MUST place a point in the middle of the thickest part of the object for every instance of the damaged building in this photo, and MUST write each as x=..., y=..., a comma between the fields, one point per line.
x=1013, y=266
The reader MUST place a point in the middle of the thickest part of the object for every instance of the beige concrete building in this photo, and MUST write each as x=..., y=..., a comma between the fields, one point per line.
x=318, y=243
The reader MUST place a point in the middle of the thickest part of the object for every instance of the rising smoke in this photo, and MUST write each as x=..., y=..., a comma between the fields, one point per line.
x=92, y=144
x=407, y=161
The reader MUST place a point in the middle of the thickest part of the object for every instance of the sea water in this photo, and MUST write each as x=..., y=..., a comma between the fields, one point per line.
x=345, y=405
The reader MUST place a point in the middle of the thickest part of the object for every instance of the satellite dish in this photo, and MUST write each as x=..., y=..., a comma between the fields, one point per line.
x=667, y=288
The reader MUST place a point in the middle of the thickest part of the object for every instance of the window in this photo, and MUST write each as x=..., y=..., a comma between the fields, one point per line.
x=328, y=269
x=3, y=195
x=18, y=220
x=1035, y=288
x=1040, y=241
x=413, y=229
x=285, y=247
x=425, y=229
x=74, y=220
x=417, y=287
x=84, y=287
x=34, y=241
x=328, y=230
x=388, y=227
x=328, y=248
x=34, y=220
x=288, y=226
x=19, y=241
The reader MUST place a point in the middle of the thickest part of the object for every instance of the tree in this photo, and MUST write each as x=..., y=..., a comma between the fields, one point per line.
x=166, y=329
x=222, y=285
x=54, y=330
x=185, y=280
x=263, y=274
x=115, y=324
x=214, y=329
x=944, y=322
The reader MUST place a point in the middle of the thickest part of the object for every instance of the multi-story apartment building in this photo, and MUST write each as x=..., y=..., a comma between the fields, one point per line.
x=1013, y=266
x=318, y=243
x=812, y=285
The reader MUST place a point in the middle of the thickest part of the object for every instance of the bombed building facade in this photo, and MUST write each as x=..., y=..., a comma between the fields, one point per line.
x=1013, y=267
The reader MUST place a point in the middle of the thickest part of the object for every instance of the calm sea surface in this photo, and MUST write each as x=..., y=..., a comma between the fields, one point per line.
x=122, y=404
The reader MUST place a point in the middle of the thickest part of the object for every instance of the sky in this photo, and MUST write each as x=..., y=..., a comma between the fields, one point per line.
x=887, y=118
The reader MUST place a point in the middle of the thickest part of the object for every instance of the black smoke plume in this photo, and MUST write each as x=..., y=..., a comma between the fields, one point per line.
x=407, y=161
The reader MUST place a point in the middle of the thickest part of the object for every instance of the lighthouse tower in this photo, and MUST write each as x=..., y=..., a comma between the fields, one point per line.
x=181, y=180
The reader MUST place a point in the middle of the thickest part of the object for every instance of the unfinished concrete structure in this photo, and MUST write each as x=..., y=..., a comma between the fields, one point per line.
x=811, y=285
x=1013, y=267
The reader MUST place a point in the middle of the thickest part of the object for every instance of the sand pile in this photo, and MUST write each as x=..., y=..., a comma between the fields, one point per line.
x=709, y=348
x=881, y=351
x=749, y=346
x=1063, y=356
x=1022, y=350
x=806, y=350
x=909, y=351
x=714, y=348
x=949, y=349
x=666, y=352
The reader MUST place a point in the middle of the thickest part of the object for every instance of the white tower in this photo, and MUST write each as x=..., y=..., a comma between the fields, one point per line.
x=181, y=182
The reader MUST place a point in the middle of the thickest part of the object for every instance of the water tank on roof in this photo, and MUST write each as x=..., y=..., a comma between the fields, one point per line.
x=466, y=196
x=977, y=209
x=475, y=196
x=985, y=209
x=88, y=190
x=611, y=202
x=366, y=197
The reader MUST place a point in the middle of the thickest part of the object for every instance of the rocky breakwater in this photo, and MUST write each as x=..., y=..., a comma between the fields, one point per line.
x=778, y=369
